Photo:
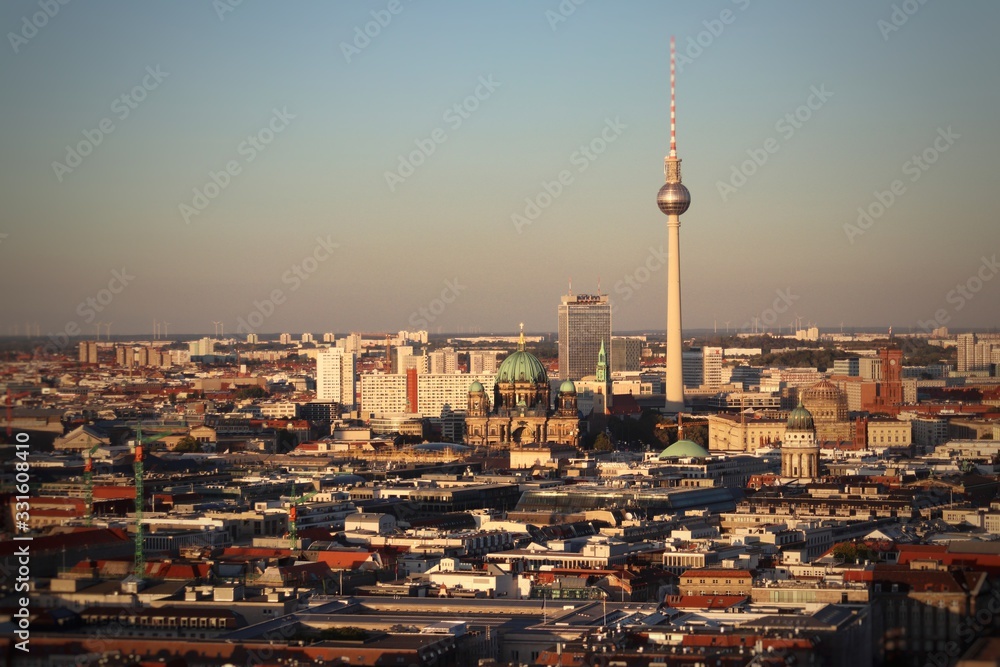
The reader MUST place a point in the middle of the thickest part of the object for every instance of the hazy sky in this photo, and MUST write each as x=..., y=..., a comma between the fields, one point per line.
x=115, y=115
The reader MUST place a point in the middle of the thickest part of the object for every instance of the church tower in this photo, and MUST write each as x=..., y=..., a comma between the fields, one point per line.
x=799, y=449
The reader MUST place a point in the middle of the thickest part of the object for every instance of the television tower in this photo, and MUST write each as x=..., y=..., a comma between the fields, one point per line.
x=673, y=199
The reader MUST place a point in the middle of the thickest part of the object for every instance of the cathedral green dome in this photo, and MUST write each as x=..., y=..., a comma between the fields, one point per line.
x=476, y=386
x=522, y=366
x=567, y=387
x=684, y=449
x=800, y=419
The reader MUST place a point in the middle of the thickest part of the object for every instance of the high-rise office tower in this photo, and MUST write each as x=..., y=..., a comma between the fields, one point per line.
x=584, y=323
x=335, y=381
x=711, y=366
x=966, y=351
x=702, y=367
x=626, y=353
x=673, y=199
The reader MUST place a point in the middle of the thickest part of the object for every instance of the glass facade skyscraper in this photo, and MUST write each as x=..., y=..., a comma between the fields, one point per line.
x=584, y=323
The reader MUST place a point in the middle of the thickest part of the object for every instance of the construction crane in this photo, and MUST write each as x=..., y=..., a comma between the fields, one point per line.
x=139, y=568
x=88, y=485
x=372, y=335
x=293, y=515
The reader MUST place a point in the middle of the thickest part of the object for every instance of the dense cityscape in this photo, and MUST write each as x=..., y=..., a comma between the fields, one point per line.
x=612, y=483
x=460, y=500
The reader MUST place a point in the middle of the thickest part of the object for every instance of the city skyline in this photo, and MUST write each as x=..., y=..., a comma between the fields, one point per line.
x=296, y=131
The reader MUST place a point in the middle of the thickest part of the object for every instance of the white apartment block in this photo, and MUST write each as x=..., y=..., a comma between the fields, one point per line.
x=443, y=362
x=483, y=361
x=278, y=410
x=335, y=369
x=434, y=392
x=383, y=394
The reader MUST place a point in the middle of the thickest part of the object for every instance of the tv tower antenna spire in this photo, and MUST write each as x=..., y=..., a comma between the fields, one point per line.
x=673, y=98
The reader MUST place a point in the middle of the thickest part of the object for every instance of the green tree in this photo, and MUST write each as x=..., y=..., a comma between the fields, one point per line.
x=602, y=443
x=187, y=444
x=697, y=433
x=250, y=392
x=851, y=552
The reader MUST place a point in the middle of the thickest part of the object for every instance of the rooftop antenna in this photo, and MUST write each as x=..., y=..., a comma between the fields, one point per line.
x=673, y=102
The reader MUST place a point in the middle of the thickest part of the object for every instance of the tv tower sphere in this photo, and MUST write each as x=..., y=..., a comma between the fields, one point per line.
x=673, y=198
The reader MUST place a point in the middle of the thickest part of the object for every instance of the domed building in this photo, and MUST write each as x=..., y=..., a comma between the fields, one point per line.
x=684, y=449
x=520, y=410
x=828, y=406
x=799, y=449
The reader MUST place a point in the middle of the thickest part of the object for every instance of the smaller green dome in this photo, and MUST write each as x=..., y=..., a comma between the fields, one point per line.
x=476, y=386
x=684, y=449
x=800, y=419
x=567, y=387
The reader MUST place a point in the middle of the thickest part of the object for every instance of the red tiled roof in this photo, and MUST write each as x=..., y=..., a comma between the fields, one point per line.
x=254, y=552
x=343, y=560
x=105, y=492
x=716, y=572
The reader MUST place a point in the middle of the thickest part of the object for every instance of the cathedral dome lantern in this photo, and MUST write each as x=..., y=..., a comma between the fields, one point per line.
x=522, y=366
x=800, y=419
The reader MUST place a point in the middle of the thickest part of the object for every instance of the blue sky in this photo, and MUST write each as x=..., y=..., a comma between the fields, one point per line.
x=327, y=117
